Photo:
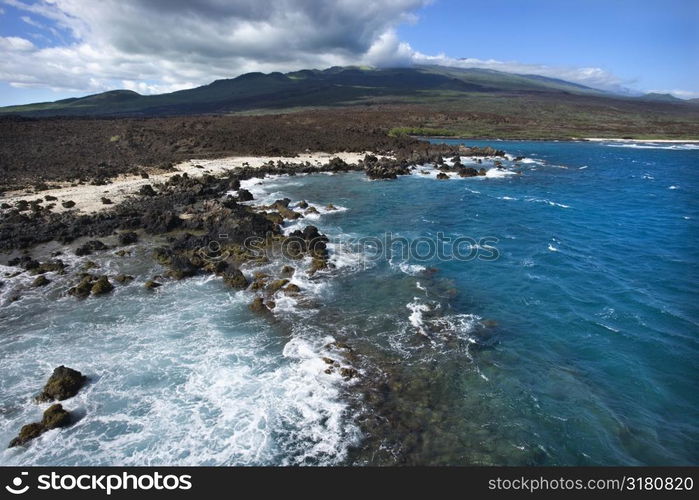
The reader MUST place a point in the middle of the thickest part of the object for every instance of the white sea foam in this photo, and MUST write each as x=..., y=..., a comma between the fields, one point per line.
x=416, y=317
x=552, y=248
x=674, y=187
x=548, y=202
x=180, y=378
x=509, y=198
x=679, y=147
x=407, y=268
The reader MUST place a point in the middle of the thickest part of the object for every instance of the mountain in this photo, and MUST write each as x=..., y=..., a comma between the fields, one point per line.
x=656, y=96
x=337, y=86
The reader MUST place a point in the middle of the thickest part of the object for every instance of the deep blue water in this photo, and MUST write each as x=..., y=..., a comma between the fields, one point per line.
x=578, y=345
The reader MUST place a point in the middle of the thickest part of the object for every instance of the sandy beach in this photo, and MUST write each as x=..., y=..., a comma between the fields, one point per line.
x=671, y=141
x=88, y=198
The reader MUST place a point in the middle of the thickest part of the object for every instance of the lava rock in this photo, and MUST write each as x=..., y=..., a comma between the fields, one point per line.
x=63, y=383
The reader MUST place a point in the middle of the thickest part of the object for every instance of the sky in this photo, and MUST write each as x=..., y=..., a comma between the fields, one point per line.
x=53, y=49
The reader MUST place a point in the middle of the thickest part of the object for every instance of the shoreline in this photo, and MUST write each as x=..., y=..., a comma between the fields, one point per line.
x=566, y=139
x=88, y=197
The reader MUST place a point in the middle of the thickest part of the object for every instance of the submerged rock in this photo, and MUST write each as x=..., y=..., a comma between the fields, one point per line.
x=63, y=383
x=123, y=278
x=151, y=284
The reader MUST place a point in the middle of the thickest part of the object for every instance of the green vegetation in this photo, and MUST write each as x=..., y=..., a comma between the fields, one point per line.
x=448, y=102
x=443, y=132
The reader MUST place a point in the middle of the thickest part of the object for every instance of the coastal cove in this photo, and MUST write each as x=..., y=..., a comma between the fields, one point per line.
x=575, y=345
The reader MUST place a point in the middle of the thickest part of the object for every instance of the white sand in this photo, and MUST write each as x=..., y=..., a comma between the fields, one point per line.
x=88, y=198
x=606, y=139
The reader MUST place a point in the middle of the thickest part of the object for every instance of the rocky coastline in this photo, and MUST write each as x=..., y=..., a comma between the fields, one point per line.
x=199, y=226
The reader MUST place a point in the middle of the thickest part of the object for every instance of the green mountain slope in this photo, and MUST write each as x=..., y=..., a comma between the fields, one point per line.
x=332, y=87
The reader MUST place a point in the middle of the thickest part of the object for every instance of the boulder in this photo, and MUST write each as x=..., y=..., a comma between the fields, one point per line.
x=147, y=190
x=245, y=195
x=276, y=285
x=151, y=284
x=40, y=280
x=102, y=286
x=292, y=289
x=54, y=417
x=123, y=278
x=63, y=383
x=287, y=271
x=442, y=176
x=82, y=289
x=258, y=306
x=127, y=238
x=89, y=247
x=234, y=278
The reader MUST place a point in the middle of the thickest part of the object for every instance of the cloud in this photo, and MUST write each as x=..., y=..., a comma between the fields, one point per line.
x=592, y=77
x=154, y=46
x=31, y=22
x=151, y=45
x=682, y=94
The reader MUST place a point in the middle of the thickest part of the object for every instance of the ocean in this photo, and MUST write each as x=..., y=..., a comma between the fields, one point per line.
x=544, y=314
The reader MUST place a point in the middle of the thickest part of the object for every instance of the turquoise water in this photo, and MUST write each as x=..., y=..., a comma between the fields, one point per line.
x=577, y=345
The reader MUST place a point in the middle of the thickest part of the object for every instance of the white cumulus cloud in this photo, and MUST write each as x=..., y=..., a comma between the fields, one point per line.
x=154, y=46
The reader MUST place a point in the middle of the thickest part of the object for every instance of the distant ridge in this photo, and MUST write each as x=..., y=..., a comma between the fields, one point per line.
x=336, y=86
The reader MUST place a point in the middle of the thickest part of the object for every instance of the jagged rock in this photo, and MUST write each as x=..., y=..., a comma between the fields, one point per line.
x=287, y=213
x=123, y=278
x=27, y=433
x=317, y=265
x=102, y=286
x=151, y=284
x=147, y=190
x=40, y=280
x=311, y=210
x=330, y=207
x=258, y=306
x=348, y=373
x=106, y=201
x=54, y=417
x=235, y=278
x=287, y=271
x=89, y=247
x=292, y=289
x=276, y=285
x=274, y=217
x=82, y=289
x=302, y=204
x=468, y=172
x=127, y=238
x=442, y=176
x=245, y=195
x=63, y=383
